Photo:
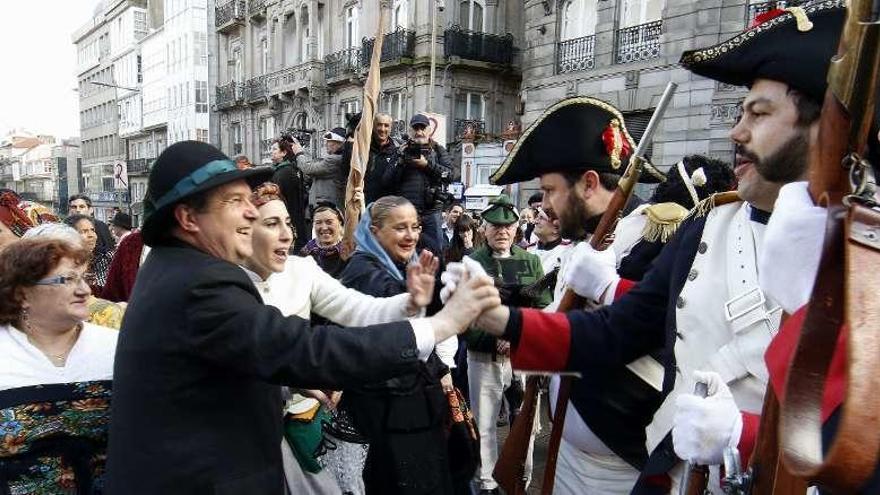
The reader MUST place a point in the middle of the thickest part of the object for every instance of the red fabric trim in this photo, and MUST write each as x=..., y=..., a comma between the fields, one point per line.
x=781, y=350
x=544, y=343
x=623, y=286
x=123, y=269
x=749, y=436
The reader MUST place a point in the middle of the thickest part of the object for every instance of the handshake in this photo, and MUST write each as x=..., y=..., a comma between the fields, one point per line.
x=469, y=299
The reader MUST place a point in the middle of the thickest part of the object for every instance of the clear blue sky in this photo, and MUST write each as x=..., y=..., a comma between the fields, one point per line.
x=38, y=81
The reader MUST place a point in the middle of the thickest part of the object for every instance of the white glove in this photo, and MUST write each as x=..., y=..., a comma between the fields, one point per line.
x=590, y=272
x=704, y=427
x=789, y=256
x=453, y=273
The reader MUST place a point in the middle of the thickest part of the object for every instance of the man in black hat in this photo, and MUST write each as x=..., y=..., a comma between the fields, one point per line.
x=701, y=303
x=200, y=360
x=421, y=175
x=120, y=226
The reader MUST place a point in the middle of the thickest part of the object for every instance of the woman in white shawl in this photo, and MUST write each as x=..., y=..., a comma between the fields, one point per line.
x=297, y=286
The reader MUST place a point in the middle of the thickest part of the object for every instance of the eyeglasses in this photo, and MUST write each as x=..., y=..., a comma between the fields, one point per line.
x=68, y=280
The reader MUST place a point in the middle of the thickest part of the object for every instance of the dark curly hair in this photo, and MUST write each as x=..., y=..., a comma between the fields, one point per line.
x=719, y=178
x=25, y=262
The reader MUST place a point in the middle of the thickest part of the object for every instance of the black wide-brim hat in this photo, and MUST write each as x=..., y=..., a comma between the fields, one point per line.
x=793, y=46
x=579, y=133
x=184, y=169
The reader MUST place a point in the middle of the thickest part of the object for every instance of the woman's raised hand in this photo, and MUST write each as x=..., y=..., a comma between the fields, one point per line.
x=420, y=277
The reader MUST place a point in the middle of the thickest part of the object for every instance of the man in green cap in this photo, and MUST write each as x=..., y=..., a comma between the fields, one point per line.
x=489, y=370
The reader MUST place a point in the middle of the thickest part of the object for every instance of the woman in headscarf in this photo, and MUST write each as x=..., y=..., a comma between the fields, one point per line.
x=403, y=418
x=325, y=248
x=99, y=262
x=297, y=286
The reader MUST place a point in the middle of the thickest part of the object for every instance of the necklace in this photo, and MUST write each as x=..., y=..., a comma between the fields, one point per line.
x=61, y=359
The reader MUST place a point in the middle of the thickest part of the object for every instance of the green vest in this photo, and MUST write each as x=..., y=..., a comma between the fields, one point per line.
x=511, y=274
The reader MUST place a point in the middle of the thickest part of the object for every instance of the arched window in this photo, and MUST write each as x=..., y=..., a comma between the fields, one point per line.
x=470, y=15
x=352, y=35
x=635, y=12
x=578, y=19
x=400, y=14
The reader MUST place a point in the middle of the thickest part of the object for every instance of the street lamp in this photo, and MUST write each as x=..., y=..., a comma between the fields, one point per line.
x=108, y=85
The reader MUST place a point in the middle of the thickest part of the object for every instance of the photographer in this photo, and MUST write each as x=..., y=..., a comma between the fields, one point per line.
x=421, y=175
x=287, y=157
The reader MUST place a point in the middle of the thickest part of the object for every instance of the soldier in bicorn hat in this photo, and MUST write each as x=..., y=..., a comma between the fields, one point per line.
x=200, y=359
x=603, y=436
x=701, y=302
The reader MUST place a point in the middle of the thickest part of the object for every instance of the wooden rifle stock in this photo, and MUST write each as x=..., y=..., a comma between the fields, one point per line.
x=509, y=471
x=789, y=449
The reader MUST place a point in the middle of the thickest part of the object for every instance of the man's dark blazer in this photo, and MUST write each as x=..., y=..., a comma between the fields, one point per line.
x=199, y=364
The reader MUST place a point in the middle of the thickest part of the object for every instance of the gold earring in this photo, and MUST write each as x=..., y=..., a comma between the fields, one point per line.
x=25, y=319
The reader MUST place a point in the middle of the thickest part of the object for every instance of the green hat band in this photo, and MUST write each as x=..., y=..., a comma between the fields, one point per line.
x=192, y=181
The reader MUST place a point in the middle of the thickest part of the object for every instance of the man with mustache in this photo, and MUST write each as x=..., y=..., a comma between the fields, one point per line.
x=701, y=302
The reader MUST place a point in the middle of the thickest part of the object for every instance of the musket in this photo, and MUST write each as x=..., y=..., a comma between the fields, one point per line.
x=839, y=178
x=510, y=467
x=696, y=476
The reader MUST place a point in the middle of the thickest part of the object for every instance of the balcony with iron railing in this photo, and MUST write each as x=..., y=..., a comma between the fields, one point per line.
x=753, y=10
x=140, y=166
x=401, y=44
x=576, y=54
x=342, y=64
x=306, y=75
x=228, y=95
x=229, y=15
x=636, y=43
x=474, y=45
x=255, y=89
x=257, y=8
x=469, y=128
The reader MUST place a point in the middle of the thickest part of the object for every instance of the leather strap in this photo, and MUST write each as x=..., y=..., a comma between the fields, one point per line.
x=845, y=292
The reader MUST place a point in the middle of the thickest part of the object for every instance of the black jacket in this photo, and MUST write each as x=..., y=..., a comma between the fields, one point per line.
x=199, y=364
x=419, y=184
x=292, y=183
x=381, y=158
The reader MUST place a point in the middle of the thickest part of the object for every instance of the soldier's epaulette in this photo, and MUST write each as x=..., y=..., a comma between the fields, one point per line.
x=713, y=201
x=663, y=220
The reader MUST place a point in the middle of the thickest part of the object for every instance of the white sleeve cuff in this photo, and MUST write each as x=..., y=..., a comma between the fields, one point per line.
x=608, y=296
x=424, y=334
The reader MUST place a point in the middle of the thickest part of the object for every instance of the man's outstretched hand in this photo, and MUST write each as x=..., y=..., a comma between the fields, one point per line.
x=472, y=297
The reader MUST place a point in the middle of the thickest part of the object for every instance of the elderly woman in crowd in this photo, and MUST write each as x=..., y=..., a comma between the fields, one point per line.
x=325, y=248
x=297, y=286
x=404, y=417
x=55, y=372
x=99, y=261
x=101, y=311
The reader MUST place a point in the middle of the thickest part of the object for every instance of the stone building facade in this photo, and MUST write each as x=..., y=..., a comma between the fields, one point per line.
x=625, y=52
x=301, y=64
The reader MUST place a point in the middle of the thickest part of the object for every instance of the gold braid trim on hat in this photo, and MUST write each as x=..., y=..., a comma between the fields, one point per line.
x=800, y=16
x=698, y=56
x=553, y=108
x=618, y=144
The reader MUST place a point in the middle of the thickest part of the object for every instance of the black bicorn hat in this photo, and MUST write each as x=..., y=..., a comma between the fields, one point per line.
x=579, y=133
x=793, y=46
x=186, y=168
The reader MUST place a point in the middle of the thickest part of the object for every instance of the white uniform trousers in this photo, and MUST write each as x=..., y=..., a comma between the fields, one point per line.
x=487, y=379
x=584, y=473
